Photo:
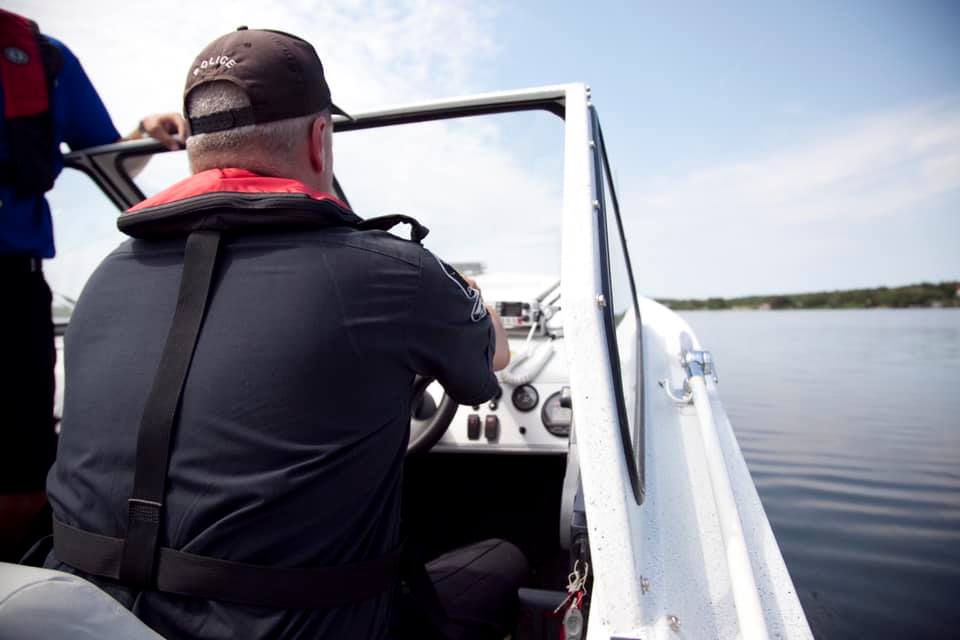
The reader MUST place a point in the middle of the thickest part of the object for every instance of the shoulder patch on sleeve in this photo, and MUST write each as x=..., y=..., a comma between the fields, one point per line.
x=479, y=311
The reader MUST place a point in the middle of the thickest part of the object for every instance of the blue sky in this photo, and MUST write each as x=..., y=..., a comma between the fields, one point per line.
x=686, y=87
x=711, y=82
x=759, y=147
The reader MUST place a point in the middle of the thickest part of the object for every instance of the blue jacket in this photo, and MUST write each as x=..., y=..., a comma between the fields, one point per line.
x=80, y=120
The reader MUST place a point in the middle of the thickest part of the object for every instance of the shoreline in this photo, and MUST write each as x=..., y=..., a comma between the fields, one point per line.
x=913, y=308
x=927, y=295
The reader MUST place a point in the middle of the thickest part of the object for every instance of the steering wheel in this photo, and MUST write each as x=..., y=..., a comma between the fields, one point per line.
x=428, y=420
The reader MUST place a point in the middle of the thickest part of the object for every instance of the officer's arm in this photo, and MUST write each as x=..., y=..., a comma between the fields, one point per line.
x=501, y=357
x=452, y=336
x=88, y=124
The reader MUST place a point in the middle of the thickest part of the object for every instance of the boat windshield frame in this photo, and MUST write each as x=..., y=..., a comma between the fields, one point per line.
x=633, y=444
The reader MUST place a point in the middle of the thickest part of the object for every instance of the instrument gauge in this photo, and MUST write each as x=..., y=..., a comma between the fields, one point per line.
x=525, y=398
x=556, y=418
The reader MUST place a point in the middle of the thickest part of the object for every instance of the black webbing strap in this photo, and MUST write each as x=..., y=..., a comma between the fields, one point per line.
x=144, y=509
x=214, y=579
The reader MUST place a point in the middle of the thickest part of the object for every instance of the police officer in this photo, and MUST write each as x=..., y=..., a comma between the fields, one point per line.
x=231, y=457
x=47, y=99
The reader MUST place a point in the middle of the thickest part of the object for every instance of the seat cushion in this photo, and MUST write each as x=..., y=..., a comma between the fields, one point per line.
x=40, y=603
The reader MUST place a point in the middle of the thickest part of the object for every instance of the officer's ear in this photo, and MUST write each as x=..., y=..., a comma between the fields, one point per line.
x=320, y=154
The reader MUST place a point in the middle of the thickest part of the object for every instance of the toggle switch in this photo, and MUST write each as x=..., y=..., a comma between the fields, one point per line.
x=473, y=426
x=491, y=428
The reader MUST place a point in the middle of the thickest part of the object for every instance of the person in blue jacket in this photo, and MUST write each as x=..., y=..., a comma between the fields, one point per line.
x=47, y=100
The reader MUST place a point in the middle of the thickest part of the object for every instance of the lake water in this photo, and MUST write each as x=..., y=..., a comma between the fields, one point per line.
x=850, y=424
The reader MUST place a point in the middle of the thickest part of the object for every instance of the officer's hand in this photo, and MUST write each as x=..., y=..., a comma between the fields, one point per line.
x=163, y=127
x=470, y=282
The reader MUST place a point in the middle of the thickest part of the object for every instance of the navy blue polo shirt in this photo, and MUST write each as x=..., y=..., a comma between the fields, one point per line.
x=79, y=119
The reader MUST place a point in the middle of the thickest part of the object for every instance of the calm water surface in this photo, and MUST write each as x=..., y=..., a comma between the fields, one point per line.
x=850, y=424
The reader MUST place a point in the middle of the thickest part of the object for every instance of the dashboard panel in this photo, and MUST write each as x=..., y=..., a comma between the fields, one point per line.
x=513, y=422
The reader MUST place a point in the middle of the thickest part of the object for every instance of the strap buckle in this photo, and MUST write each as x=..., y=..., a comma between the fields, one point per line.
x=138, y=564
x=144, y=510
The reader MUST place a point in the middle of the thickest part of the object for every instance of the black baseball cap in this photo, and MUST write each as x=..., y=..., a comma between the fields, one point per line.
x=280, y=73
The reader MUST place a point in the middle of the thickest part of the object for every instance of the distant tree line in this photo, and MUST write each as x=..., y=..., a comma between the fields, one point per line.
x=925, y=294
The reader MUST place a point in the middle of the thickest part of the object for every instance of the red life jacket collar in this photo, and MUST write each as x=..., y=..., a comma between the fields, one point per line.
x=237, y=200
x=231, y=181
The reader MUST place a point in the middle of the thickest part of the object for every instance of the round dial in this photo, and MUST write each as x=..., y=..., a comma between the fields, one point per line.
x=556, y=418
x=525, y=398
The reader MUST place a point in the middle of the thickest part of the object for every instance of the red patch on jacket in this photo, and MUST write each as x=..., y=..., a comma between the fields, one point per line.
x=22, y=70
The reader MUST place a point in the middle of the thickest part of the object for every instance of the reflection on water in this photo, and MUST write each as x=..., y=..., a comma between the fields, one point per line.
x=850, y=424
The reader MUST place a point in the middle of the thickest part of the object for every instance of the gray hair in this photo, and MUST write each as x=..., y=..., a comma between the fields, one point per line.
x=272, y=148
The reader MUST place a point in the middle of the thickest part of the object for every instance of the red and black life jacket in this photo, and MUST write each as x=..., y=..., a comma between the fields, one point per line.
x=29, y=64
x=202, y=208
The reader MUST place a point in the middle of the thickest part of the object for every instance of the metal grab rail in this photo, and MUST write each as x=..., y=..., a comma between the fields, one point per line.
x=746, y=597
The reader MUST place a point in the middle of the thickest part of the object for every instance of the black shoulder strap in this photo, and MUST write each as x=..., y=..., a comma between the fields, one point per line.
x=145, y=507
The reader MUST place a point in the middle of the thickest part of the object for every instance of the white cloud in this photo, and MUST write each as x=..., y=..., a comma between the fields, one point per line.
x=138, y=53
x=873, y=166
x=860, y=203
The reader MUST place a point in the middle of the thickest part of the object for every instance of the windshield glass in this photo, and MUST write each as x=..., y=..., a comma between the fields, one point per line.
x=489, y=187
x=163, y=170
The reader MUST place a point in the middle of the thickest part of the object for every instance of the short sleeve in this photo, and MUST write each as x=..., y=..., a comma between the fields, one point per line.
x=451, y=337
x=87, y=122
